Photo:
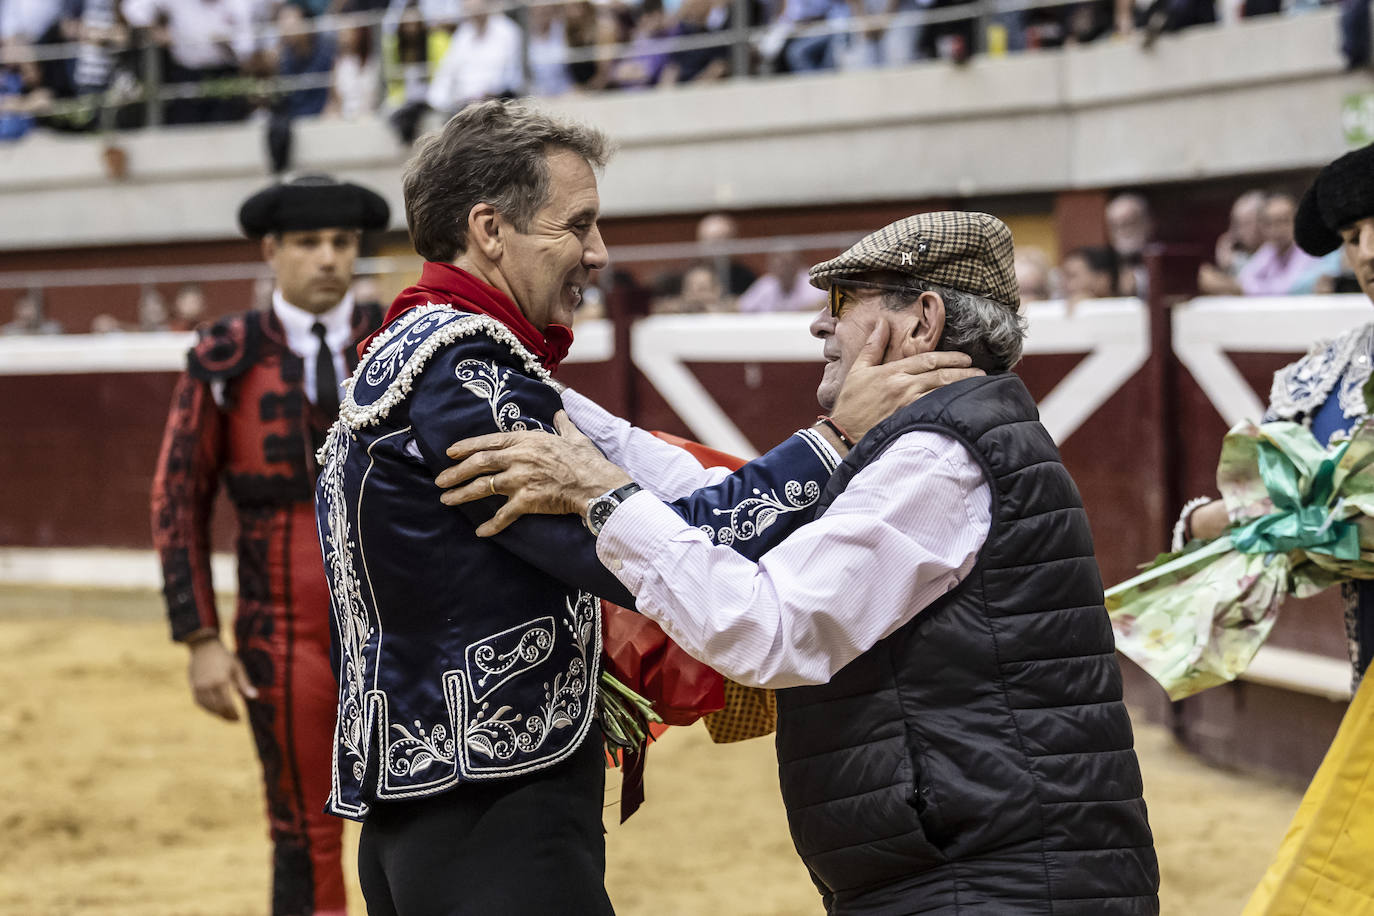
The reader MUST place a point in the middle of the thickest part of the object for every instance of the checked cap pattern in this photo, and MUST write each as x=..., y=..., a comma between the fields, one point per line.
x=967, y=251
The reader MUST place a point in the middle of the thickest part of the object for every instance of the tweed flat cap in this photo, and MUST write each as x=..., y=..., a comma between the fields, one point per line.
x=312, y=202
x=1341, y=194
x=970, y=252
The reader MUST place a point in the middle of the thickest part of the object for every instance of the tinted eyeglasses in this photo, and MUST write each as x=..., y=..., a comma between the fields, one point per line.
x=842, y=298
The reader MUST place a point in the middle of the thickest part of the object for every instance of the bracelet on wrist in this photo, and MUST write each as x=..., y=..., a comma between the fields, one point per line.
x=835, y=428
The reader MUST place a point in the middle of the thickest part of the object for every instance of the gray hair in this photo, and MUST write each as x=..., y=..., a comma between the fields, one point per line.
x=496, y=153
x=989, y=332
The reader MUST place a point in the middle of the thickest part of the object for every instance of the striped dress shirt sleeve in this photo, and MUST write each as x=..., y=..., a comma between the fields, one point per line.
x=905, y=532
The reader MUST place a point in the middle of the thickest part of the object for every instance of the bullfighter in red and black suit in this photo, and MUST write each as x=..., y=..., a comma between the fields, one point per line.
x=259, y=393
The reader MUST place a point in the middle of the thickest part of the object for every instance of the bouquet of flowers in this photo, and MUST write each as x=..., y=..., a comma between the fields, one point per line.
x=1195, y=618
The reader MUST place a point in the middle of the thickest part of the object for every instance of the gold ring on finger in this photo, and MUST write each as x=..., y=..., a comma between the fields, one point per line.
x=491, y=482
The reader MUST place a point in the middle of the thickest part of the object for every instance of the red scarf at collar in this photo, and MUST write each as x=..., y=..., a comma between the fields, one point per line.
x=444, y=284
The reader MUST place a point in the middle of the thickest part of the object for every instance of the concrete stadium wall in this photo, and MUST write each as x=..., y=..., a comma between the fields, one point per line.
x=1212, y=102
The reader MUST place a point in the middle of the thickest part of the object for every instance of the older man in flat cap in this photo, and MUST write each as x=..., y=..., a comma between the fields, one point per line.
x=259, y=392
x=951, y=736
x=1324, y=389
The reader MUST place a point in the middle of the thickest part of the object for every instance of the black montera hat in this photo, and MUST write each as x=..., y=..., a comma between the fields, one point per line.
x=1343, y=193
x=312, y=202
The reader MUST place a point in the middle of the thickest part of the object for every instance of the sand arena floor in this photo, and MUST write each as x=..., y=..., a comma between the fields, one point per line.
x=122, y=798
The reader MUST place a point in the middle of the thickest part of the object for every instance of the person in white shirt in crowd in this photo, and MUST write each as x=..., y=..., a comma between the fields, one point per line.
x=482, y=61
x=950, y=731
x=29, y=20
x=356, y=87
x=1032, y=268
x=205, y=40
x=784, y=288
x=549, y=75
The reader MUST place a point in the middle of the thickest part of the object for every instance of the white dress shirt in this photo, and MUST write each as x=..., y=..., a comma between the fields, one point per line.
x=203, y=34
x=338, y=334
x=905, y=532
x=478, y=65
x=27, y=19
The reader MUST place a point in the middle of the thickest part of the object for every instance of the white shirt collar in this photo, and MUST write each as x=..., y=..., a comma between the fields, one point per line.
x=297, y=322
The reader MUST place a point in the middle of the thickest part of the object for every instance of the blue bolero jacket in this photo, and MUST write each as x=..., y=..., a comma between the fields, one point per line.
x=462, y=658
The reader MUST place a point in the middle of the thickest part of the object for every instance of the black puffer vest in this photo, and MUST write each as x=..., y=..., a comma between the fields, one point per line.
x=979, y=759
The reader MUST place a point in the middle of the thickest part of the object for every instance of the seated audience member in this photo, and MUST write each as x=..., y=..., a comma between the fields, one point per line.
x=1130, y=227
x=408, y=55
x=875, y=47
x=22, y=96
x=1235, y=247
x=206, y=40
x=590, y=27
x=1032, y=268
x=1090, y=272
x=1279, y=265
x=103, y=36
x=188, y=308
x=714, y=231
x=152, y=311
x=784, y=288
x=29, y=318
x=356, y=82
x=806, y=53
x=483, y=60
x=1329, y=274
x=700, y=65
x=548, y=43
x=650, y=49
x=303, y=52
x=950, y=40
x=700, y=292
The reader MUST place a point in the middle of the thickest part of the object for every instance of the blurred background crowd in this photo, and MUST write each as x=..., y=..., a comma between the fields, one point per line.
x=1254, y=256
x=120, y=64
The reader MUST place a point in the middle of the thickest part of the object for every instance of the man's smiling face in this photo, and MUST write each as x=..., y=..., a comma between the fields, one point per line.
x=547, y=266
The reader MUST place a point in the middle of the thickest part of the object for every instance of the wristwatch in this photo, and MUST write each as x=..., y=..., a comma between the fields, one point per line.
x=599, y=508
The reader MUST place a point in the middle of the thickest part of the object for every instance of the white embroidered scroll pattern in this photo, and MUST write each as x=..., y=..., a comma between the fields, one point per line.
x=488, y=382
x=757, y=513
x=355, y=629
x=498, y=658
x=501, y=734
x=412, y=753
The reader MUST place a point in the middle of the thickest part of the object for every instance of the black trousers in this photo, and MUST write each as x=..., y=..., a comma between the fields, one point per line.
x=530, y=846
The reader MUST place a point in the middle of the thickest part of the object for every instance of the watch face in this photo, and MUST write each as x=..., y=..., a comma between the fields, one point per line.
x=600, y=512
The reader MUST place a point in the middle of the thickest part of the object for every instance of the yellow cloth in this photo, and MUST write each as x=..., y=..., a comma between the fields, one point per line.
x=1325, y=866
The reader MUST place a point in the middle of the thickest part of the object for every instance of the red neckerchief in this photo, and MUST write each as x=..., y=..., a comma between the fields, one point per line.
x=444, y=284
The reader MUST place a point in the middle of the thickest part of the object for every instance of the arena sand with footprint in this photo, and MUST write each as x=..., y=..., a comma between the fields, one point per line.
x=121, y=799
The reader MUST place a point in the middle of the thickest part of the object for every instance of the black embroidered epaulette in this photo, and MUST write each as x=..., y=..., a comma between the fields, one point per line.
x=226, y=349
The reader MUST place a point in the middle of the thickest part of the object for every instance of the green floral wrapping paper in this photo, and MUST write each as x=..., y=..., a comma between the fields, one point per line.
x=1195, y=619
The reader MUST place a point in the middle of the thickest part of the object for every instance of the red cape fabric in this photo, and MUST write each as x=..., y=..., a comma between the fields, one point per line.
x=444, y=284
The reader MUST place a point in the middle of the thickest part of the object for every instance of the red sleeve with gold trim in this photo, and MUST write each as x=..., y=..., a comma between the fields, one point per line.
x=184, y=488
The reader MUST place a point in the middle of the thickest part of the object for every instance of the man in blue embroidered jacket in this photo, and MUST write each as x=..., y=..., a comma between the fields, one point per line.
x=469, y=666
x=951, y=737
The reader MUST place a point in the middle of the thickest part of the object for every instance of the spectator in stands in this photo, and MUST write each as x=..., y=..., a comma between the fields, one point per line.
x=1129, y=229
x=152, y=311
x=1090, y=272
x=1032, y=268
x=1235, y=247
x=807, y=52
x=714, y=231
x=548, y=46
x=483, y=61
x=1279, y=266
x=650, y=54
x=206, y=41
x=102, y=36
x=303, y=52
x=354, y=88
x=408, y=53
x=949, y=40
x=701, y=65
x=29, y=318
x=590, y=27
x=21, y=94
x=784, y=288
x=701, y=291
x=188, y=308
